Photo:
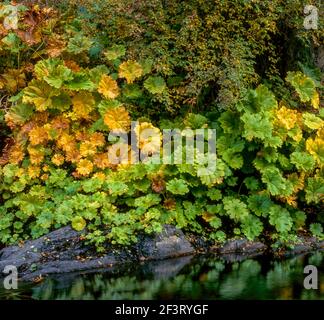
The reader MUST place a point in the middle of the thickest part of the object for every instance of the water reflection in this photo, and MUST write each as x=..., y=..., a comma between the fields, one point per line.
x=204, y=277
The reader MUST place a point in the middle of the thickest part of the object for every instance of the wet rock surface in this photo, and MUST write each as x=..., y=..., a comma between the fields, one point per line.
x=304, y=244
x=64, y=251
x=171, y=242
x=242, y=246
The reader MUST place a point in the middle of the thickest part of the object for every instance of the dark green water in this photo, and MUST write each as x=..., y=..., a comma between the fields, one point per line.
x=204, y=277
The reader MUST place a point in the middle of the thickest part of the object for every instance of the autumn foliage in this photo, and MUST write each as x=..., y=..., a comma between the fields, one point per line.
x=61, y=96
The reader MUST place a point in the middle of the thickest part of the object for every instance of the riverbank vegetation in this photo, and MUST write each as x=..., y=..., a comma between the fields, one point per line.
x=72, y=72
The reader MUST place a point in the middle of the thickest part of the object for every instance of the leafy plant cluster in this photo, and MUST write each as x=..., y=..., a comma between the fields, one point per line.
x=54, y=170
x=209, y=52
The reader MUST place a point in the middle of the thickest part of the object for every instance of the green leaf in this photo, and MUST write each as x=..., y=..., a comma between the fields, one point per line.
x=251, y=227
x=147, y=65
x=12, y=41
x=155, y=85
x=117, y=188
x=256, y=125
x=132, y=91
x=235, y=208
x=299, y=218
x=304, y=85
x=316, y=229
x=263, y=99
x=219, y=236
x=21, y=112
x=61, y=102
x=315, y=190
x=177, y=186
x=106, y=105
x=78, y=44
x=115, y=52
x=147, y=201
x=230, y=122
x=195, y=121
x=40, y=94
x=214, y=194
x=311, y=121
x=80, y=81
x=276, y=184
x=53, y=72
x=280, y=219
x=215, y=222
x=252, y=183
x=302, y=160
x=260, y=204
x=78, y=223
x=96, y=73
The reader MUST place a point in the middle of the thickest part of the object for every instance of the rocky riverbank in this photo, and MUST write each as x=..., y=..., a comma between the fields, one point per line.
x=64, y=251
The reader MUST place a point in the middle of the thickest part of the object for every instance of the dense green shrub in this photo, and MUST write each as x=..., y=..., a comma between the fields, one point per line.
x=210, y=52
x=69, y=87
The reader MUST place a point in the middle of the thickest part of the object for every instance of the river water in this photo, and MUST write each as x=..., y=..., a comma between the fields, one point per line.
x=199, y=277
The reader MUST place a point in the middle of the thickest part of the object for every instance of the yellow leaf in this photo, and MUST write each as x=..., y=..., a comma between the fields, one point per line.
x=84, y=167
x=286, y=118
x=13, y=79
x=101, y=160
x=316, y=148
x=16, y=153
x=55, y=46
x=117, y=119
x=87, y=149
x=58, y=159
x=97, y=139
x=108, y=87
x=33, y=172
x=73, y=155
x=66, y=142
x=36, y=155
x=148, y=137
x=208, y=216
x=100, y=176
x=83, y=105
x=38, y=135
x=130, y=70
x=298, y=181
x=11, y=20
x=315, y=100
x=40, y=94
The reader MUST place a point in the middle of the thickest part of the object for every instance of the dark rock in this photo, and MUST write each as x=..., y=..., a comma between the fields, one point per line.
x=242, y=246
x=300, y=248
x=63, y=251
x=171, y=242
x=304, y=244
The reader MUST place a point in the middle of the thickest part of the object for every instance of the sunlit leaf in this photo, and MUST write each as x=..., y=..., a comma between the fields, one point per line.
x=130, y=70
x=78, y=223
x=108, y=87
